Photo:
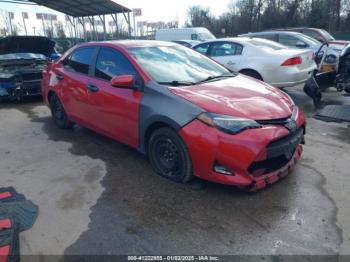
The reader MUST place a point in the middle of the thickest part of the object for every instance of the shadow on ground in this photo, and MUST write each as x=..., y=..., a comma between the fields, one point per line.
x=142, y=213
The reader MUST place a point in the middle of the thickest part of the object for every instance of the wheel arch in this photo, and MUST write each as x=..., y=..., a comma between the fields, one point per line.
x=251, y=70
x=155, y=123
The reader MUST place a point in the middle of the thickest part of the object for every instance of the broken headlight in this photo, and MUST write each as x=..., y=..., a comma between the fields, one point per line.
x=227, y=124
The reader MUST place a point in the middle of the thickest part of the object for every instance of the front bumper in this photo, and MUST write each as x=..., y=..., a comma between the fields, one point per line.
x=20, y=89
x=246, y=155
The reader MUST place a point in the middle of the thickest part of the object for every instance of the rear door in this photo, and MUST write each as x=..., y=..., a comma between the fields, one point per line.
x=73, y=78
x=229, y=54
x=116, y=110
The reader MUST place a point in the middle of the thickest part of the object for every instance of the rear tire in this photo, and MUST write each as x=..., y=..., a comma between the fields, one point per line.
x=58, y=113
x=252, y=73
x=169, y=156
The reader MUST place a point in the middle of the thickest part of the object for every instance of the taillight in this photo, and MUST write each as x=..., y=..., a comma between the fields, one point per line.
x=293, y=61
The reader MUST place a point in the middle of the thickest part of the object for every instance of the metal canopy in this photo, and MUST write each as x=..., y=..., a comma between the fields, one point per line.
x=81, y=8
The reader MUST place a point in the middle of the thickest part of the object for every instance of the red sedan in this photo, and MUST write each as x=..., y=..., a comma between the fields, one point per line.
x=190, y=115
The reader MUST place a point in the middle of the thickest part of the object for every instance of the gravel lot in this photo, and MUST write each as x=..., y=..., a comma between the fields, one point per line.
x=97, y=196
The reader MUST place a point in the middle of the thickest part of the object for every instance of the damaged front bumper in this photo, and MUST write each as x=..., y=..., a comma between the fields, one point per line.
x=18, y=86
x=251, y=160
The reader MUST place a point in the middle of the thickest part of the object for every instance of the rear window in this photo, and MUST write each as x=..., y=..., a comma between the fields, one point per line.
x=271, y=37
x=266, y=44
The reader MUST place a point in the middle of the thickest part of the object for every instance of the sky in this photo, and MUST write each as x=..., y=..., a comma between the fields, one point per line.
x=152, y=11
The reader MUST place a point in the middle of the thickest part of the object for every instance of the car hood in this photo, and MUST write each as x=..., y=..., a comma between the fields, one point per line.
x=239, y=96
x=27, y=44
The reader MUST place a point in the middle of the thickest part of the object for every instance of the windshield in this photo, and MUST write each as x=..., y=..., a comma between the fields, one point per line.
x=206, y=36
x=266, y=44
x=327, y=35
x=166, y=64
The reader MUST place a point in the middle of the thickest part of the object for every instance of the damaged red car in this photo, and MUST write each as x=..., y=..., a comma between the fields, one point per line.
x=190, y=115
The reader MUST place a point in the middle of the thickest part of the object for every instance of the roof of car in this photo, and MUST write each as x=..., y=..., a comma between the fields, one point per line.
x=242, y=40
x=271, y=32
x=295, y=28
x=234, y=39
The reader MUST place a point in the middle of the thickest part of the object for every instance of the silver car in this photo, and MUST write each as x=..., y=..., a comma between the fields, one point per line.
x=297, y=40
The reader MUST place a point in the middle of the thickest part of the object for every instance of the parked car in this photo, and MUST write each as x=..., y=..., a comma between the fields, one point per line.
x=262, y=59
x=320, y=35
x=187, y=43
x=22, y=60
x=189, y=33
x=301, y=41
x=190, y=115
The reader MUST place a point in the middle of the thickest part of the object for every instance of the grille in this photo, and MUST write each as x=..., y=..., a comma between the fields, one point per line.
x=31, y=76
x=279, y=153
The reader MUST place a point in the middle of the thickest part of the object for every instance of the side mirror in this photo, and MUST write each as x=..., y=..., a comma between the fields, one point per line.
x=123, y=81
x=301, y=44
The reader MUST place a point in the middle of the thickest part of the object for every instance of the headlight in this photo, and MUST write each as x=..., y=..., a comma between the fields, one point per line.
x=228, y=124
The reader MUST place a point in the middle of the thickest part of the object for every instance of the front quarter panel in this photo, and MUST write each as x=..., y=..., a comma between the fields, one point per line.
x=159, y=105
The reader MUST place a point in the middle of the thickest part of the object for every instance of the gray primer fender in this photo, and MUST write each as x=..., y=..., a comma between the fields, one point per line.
x=158, y=104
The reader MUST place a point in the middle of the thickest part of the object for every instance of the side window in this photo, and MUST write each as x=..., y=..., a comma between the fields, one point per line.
x=203, y=48
x=81, y=59
x=111, y=63
x=288, y=40
x=311, y=33
x=225, y=49
x=194, y=36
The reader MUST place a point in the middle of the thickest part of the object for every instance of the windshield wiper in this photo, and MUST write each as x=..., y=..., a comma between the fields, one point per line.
x=210, y=78
x=177, y=83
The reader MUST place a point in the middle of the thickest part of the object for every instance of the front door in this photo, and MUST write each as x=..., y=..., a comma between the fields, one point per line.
x=116, y=110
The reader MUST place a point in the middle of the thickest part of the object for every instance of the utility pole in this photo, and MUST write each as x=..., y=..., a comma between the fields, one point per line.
x=24, y=17
x=10, y=22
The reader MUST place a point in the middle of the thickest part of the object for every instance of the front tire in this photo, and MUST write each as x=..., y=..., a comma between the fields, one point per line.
x=169, y=156
x=58, y=113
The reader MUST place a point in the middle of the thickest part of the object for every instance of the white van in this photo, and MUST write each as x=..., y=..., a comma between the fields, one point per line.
x=191, y=33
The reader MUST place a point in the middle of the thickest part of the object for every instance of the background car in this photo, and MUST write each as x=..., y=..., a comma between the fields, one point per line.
x=22, y=60
x=320, y=35
x=187, y=43
x=188, y=33
x=262, y=59
x=190, y=115
x=301, y=41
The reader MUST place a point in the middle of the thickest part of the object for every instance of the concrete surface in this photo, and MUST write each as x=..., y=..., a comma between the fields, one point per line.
x=97, y=196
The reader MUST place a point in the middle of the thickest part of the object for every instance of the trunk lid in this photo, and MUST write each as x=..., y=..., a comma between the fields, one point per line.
x=306, y=56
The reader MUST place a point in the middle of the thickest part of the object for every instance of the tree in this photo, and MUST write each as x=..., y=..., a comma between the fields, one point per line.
x=244, y=16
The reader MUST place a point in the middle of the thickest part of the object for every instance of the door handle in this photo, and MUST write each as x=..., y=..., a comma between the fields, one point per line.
x=59, y=77
x=231, y=63
x=92, y=87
